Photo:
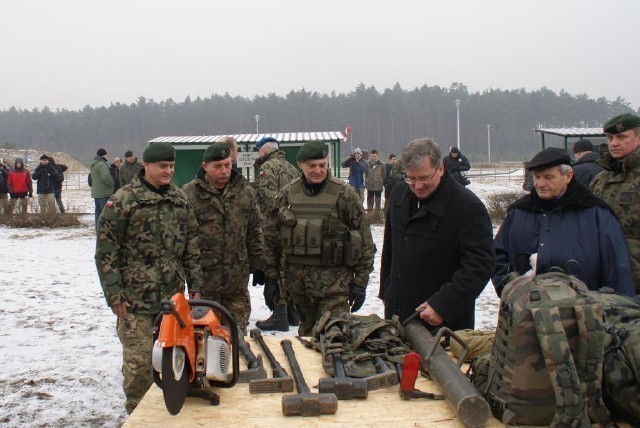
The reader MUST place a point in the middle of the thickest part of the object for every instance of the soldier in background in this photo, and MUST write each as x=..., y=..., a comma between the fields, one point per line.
x=619, y=183
x=58, y=191
x=318, y=225
x=275, y=173
x=230, y=231
x=129, y=168
x=147, y=243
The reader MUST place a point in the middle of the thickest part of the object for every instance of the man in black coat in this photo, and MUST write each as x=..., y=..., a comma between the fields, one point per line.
x=46, y=175
x=438, y=250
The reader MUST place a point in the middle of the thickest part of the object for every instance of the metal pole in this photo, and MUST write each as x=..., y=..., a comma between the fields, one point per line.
x=257, y=124
x=458, y=116
x=489, y=143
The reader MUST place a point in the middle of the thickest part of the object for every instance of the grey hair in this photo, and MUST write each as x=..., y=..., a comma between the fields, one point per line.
x=414, y=153
x=564, y=168
x=271, y=146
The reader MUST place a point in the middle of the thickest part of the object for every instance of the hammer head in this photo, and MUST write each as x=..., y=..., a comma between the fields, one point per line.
x=252, y=373
x=345, y=388
x=268, y=386
x=381, y=381
x=309, y=404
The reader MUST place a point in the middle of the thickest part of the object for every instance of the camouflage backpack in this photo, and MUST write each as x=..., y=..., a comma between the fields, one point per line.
x=545, y=367
x=621, y=378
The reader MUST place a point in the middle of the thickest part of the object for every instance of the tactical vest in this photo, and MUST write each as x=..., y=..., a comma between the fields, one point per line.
x=311, y=231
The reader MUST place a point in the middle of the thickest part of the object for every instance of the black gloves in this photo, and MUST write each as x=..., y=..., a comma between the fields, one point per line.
x=258, y=277
x=271, y=293
x=357, y=294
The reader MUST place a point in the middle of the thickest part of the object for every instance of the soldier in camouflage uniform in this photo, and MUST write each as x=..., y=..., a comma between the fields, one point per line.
x=147, y=245
x=129, y=168
x=230, y=231
x=275, y=173
x=317, y=222
x=619, y=183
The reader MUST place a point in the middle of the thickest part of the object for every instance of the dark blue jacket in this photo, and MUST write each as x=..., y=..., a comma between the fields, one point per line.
x=577, y=226
x=586, y=168
x=357, y=171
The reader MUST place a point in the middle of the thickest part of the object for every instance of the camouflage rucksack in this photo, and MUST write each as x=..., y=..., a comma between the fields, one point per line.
x=545, y=367
x=621, y=378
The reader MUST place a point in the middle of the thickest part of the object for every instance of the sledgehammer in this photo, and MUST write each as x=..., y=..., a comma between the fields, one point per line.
x=305, y=403
x=281, y=381
x=345, y=388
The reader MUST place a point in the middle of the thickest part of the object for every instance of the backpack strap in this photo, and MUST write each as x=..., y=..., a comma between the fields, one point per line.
x=589, y=359
x=570, y=408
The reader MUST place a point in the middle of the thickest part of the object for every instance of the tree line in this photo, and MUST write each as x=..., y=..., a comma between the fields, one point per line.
x=384, y=120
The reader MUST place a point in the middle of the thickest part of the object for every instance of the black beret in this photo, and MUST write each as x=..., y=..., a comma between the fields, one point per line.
x=101, y=152
x=158, y=152
x=312, y=150
x=583, y=145
x=551, y=156
x=621, y=123
x=128, y=153
x=216, y=152
x=265, y=140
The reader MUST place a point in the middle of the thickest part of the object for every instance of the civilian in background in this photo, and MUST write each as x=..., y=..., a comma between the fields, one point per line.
x=58, y=192
x=376, y=173
x=457, y=163
x=585, y=166
x=102, y=183
x=47, y=175
x=20, y=187
x=114, y=169
x=357, y=170
x=4, y=188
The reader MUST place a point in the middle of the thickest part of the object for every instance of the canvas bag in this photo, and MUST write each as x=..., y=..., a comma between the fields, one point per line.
x=545, y=367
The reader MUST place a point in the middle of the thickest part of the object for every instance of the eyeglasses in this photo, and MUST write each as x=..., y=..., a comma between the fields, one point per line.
x=424, y=181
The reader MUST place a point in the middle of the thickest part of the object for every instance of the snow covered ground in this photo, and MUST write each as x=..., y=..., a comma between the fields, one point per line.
x=60, y=355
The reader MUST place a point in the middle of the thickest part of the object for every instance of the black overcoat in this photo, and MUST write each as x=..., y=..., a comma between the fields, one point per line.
x=441, y=252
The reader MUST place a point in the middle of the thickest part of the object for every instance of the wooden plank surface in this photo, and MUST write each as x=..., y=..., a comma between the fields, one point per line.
x=238, y=408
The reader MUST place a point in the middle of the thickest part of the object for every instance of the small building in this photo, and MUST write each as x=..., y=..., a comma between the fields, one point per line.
x=189, y=150
x=595, y=134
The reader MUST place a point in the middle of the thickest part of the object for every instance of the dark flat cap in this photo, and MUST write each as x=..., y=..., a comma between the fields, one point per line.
x=454, y=149
x=128, y=153
x=217, y=152
x=43, y=157
x=265, y=140
x=551, y=156
x=101, y=152
x=158, y=152
x=583, y=145
x=312, y=150
x=621, y=123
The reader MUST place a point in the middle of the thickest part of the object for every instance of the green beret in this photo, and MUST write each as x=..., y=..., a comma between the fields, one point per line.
x=157, y=152
x=621, y=123
x=312, y=150
x=216, y=152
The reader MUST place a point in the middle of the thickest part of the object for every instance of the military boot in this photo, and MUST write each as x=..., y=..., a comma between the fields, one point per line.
x=292, y=315
x=277, y=321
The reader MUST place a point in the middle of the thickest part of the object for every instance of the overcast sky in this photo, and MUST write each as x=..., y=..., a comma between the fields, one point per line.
x=68, y=54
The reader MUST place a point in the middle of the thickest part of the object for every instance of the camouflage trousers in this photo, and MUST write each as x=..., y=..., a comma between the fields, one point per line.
x=135, y=333
x=236, y=300
x=315, y=290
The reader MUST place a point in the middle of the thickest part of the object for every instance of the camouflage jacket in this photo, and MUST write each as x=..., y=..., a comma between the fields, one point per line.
x=128, y=171
x=619, y=186
x=348, y=211
x=147, y=244
x=230, y=228
x=275, y=172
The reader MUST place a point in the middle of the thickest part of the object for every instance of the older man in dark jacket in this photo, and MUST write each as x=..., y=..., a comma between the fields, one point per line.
x=566, y=226
x=438, y=244
x=585, y=166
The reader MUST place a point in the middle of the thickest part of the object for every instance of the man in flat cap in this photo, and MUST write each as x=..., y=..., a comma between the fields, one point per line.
x=567, y=226
x=619, y=183
x=318, y=225
x=147, y=247
x=275, y=172
x=585, y=166
x=230, y=231
x=129, y=168
x=438, y=244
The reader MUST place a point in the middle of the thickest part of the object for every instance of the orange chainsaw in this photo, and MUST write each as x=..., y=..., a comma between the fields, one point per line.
x=195, y=341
